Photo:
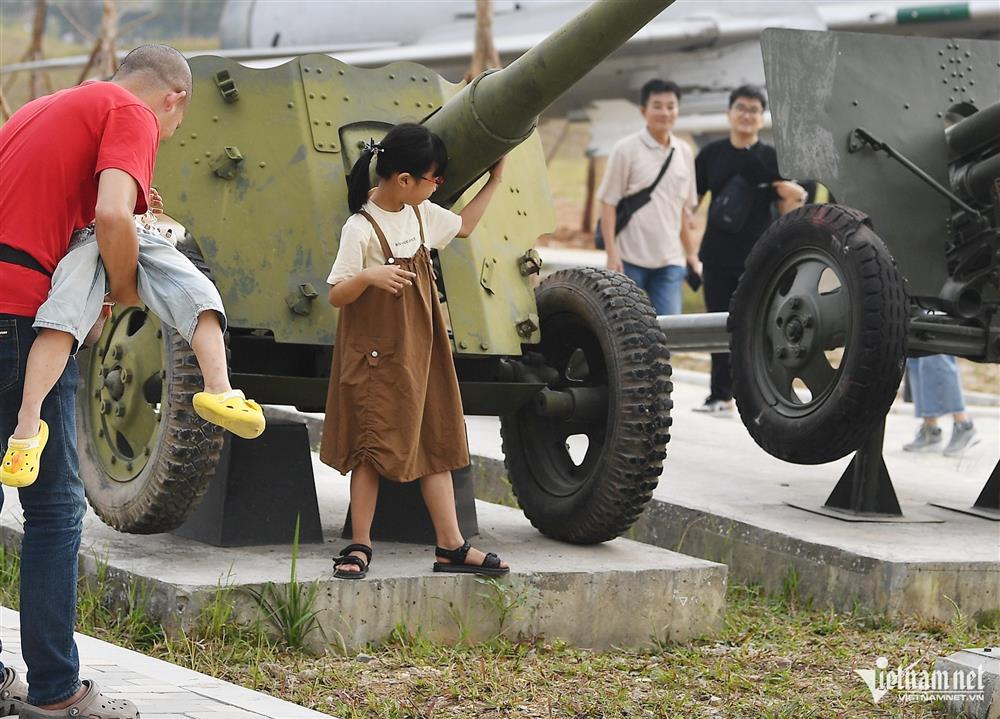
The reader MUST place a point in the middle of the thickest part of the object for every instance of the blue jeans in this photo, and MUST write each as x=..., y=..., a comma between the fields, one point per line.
x=662, y=284
x=935, y=385
x=53, y=520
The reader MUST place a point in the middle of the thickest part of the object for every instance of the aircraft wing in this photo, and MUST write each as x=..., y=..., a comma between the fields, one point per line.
x=683, y=27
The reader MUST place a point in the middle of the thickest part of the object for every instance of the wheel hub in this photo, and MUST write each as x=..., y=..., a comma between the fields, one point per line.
x=123, y=413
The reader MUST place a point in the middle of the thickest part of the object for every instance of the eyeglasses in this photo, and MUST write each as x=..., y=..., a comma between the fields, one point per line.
x=747, y=110
x=436, y=180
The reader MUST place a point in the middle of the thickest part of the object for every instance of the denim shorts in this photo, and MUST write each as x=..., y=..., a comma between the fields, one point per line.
x=171, y=287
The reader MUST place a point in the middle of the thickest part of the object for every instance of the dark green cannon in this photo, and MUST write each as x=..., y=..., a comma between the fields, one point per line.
x=906, y=134
x=576, y=368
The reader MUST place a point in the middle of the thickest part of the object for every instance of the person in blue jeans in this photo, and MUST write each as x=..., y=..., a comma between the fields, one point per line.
x=936, y=388
x=656, y=245
x=53, y=517
x=79, y=156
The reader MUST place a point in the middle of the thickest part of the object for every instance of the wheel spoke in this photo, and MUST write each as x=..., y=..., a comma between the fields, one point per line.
x=833, y=318
x=781, y=377
x=817, y=373
x=137, y=427
x=807, y=276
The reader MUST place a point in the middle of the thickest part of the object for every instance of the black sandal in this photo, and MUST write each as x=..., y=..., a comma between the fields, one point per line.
x=347, y=558
x=456, y=564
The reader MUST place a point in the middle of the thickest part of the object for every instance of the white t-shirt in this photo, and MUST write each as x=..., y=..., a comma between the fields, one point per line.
x=360, y=248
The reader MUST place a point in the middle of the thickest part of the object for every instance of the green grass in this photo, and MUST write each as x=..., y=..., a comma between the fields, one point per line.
x=775, y=657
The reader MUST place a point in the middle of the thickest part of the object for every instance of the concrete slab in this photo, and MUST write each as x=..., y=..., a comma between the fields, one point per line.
x=639, y=591
x=979, y=696
x=159, y=689
x=723, y=498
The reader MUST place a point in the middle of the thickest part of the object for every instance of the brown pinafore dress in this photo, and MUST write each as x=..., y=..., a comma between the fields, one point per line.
x=393, y=399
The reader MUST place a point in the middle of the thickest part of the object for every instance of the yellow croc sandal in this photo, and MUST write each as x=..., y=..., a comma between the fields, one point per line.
x=231, y=410
x=20, y=463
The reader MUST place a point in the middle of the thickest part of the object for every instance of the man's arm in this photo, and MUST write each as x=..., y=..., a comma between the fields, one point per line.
x=608, y=219
x=116, y=238
x=689, y=241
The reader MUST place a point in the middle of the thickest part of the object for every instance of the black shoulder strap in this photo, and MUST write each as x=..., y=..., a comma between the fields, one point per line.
x=14, y=256
x=663, y=171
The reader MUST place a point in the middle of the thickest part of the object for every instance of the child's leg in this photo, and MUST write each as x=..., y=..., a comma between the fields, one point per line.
x=364, y=495
x=210, y=350
x=439, y=496
x=46, y=362
x=183, y=298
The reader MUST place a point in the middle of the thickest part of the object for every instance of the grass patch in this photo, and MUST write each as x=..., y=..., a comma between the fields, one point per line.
x=775, y=657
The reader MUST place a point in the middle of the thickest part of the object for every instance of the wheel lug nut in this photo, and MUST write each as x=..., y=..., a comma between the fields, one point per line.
x=800, y=351
x=119, y=410
x=781, y=353
x=808, y=322
x=126, y=376
x=105, y=406
x=116, y=352
x=129, y=466
x=796, y=303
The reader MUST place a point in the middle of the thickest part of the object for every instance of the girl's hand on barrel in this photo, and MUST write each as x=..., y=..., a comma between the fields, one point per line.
x=390, y=278
x=496, y=172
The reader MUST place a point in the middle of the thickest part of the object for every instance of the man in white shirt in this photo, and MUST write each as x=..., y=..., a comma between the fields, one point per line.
x=655, y=246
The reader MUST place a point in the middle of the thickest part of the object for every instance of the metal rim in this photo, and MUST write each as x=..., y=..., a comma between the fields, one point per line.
x=572, y=349
x=798, y=322
x=125, y=392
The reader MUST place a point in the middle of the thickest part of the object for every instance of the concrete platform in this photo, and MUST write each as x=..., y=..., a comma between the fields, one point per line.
x=159, y=690
x=622, y=593
x=723, y=498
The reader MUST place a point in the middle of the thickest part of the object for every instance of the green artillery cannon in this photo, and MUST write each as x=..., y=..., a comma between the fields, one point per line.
x=257, y=178
x=906, y=134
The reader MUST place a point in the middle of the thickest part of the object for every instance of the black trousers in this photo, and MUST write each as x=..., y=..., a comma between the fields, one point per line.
x=720, y=284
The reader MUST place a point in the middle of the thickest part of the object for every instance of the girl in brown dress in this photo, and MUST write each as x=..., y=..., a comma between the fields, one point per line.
x=393, y=407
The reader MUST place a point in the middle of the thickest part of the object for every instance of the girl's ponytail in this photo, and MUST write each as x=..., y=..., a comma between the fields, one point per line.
x=359, y=181
x=405, y=148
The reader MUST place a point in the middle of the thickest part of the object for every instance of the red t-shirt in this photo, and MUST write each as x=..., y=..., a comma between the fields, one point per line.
x=51, y=153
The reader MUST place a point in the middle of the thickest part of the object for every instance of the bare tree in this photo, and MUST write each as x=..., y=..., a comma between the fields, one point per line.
x=485, y=54
x=34, y=52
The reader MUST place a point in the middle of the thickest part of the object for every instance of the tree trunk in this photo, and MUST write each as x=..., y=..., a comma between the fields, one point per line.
x=485, y=54
x=35, y=52
x=109, y=37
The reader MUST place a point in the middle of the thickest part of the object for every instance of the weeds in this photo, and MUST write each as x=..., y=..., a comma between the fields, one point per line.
x=291, y=609
x=504, y=600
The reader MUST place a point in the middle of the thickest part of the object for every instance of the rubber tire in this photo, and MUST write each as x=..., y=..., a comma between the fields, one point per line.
x=613, y=495
x=183, y=459
x=874, y=355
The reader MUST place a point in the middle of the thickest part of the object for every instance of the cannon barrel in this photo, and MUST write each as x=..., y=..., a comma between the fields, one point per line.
x=973, y=132
x=498, y=110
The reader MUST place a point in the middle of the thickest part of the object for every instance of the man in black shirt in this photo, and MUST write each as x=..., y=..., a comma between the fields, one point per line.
x=741, y=172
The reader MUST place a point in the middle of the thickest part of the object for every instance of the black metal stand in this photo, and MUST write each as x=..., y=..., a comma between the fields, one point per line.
x=401, y=515
x=864, y=492
x=865, y=487
x=987, y=506
x=260, y=488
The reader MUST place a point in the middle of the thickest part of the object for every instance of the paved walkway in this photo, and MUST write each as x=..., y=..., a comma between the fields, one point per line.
x=160, y=690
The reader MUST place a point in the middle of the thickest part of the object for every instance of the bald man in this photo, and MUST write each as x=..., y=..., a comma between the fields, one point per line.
x=80, y=156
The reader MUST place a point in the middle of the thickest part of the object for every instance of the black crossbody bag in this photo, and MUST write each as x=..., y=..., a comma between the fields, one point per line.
x=631, y=204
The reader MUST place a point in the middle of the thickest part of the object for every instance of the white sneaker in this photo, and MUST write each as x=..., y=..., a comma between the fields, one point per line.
x=716, y=407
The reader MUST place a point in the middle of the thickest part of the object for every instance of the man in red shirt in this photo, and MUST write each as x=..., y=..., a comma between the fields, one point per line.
x=66, y=160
